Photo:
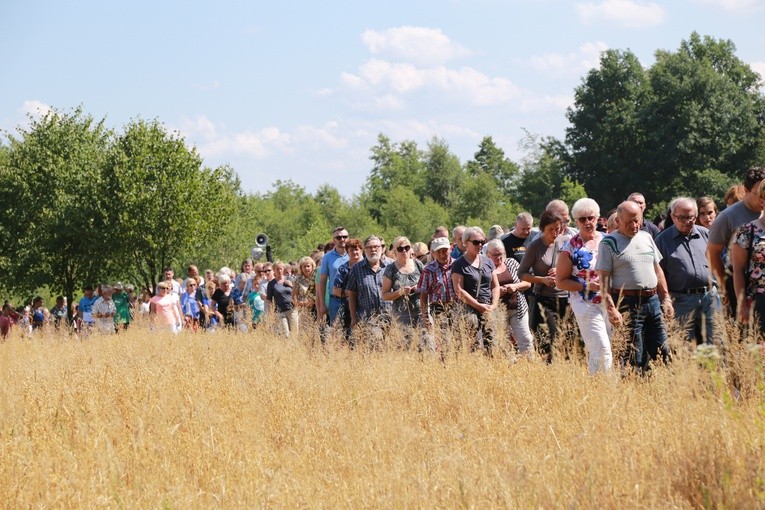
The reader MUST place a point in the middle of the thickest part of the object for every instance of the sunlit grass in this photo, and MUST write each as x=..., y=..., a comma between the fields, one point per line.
x=146, y=420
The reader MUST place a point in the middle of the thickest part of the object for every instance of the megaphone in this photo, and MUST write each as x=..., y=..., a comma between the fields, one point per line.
x=261, y=240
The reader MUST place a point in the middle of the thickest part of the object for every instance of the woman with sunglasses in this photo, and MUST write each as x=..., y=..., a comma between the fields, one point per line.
x=548, y=303
x=163, y=309
x=399, y=285
x=476, y=284
x=575, y=272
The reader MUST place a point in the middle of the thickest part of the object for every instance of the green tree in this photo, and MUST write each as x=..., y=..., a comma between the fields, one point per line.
x=543, y=175
x=606, y=137
x=406, y=215
x=491, y=160
x=398, y=164
x=161, y=200
x=55, y=232
x=443, y=173
x=706, y=113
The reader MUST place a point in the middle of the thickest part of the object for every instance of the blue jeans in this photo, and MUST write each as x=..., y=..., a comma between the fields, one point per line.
x=333, y=307
x=698, y=314
x=648, y=336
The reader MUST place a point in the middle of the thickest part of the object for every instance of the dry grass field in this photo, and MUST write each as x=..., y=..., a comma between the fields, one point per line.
x=147, y=420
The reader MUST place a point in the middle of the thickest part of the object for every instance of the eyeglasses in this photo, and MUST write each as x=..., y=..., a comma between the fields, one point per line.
x=341, y=237
x=478, y=242
x=685, y=219
x=495, y=254
x=582, y=219
x=402, y=249
x=163, y=288
x=373, y=247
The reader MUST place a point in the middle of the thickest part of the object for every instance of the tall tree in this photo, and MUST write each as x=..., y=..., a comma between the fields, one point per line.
x=706, y=113
x=491, y=160
x=395, y=164
x=443, y=173
x=160, y=200
x=54, y=232
x=606, y=137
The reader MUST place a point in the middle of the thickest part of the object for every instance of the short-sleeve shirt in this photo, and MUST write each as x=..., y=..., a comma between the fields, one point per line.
x=476, y=280
x=724, y=227
x=367, y=285
x=436, y=282
x=405, y=304
x=280, y=293
x=515, y=246
x=684, y=258
x=538, y=260
x=752, y=235
x=86, y=307
x=630, y=260
x=330, y=263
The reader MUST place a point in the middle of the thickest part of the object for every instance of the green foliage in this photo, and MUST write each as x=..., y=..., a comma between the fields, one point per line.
x=698, y=108
x=161, y=200
x=443, y=173
x=54, y=231
x=543, y=175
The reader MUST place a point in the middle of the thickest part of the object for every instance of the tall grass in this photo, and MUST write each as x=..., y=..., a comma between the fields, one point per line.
x=150, y=420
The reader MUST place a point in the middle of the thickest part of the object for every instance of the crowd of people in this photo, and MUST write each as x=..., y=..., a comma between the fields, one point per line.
x=618, y=270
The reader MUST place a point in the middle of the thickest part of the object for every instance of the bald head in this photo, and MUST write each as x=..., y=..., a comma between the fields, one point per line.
x=629, y=217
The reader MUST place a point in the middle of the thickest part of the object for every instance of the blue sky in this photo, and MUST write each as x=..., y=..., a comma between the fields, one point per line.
x=300, y=90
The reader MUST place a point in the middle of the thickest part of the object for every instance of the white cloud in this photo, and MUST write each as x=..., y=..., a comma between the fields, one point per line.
x=416, y=44
x=402, y=78
x=627, y=13
x=212, y=140
x=577, y=62
x=739, y=6
x=35, y=108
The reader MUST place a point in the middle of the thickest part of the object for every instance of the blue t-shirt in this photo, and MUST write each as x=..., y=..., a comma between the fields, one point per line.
x=330, y=263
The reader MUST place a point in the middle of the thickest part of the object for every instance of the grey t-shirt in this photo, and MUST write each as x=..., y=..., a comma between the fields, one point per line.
x=630, y=260
x=726, y=223
x=538, y=260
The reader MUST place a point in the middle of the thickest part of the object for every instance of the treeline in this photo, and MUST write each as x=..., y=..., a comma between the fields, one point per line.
x=83, y=203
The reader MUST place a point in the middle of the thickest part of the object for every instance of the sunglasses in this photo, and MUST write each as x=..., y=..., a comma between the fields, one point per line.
x=582, y=219
x=402, y=249
x=478, y=242
x=341, y=237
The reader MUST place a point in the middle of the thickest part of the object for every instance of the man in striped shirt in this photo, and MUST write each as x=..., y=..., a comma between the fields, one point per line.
x=437, y=298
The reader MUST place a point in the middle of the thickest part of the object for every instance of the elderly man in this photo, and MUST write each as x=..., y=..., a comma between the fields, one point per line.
x=364, y=286
x=683, y=248
x=647, y=225
x=518, y=239
x=560, y=208
x=459, y=246
x=437, y=293
x=632, y=281
x=328, y=305
x=723, y=228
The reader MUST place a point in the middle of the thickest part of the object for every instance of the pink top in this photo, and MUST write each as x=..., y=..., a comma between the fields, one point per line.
x=166, y=309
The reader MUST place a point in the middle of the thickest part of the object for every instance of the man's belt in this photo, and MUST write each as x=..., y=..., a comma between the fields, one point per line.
x=635, y=292
x=697, y=290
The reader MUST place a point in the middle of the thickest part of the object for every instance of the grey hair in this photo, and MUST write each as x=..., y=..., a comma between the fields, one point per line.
x=457, y=229
x=525, y=216
x=557, y=205
x=370, y=238
x=683, y=200
x=470, y=232
x=585, y=205
x=224, y=278
x=496, y=244
x=496, y=231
